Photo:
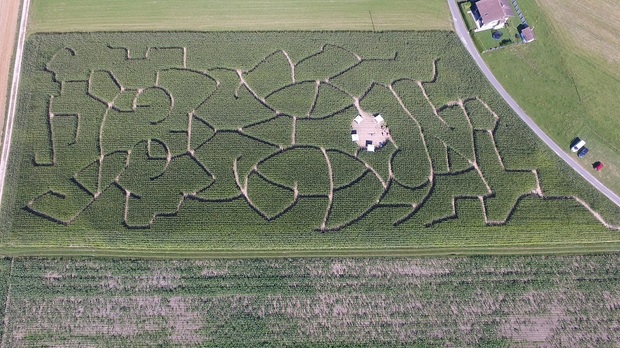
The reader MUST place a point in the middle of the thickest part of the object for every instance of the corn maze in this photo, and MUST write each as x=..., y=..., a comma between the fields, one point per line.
x=128, y=137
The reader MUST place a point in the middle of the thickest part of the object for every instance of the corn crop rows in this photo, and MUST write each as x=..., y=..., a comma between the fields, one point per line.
x=496, y=301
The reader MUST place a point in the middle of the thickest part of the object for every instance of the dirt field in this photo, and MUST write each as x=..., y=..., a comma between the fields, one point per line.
x=9, y=10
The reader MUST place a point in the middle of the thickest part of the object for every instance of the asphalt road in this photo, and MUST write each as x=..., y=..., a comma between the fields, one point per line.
x=463, y=34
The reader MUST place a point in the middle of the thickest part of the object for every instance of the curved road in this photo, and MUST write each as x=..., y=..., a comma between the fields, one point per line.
x=461, y=31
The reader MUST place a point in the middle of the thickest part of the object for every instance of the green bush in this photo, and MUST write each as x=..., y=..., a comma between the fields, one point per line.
x=294, y=100
x=345, y=168
x=271, y=74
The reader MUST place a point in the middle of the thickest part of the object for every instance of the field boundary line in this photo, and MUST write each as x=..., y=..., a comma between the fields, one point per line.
x=610, y=246
x=463, y=34
x=10, y=116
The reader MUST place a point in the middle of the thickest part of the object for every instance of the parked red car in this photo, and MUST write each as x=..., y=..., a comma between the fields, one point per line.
x=598, y=166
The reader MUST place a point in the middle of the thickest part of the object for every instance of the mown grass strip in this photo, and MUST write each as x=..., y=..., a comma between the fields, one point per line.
x=531, y=249
x=93, y=15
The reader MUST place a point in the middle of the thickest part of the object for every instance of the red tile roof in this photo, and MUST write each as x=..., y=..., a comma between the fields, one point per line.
x=528, y=34
x=492, y=10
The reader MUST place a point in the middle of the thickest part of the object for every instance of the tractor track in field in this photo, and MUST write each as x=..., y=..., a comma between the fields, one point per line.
x=463, y=34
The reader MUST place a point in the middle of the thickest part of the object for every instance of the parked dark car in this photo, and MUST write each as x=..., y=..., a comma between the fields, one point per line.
x=582, y=152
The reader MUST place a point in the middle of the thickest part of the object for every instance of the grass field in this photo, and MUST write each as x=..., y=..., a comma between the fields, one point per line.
x=591, y=26
x=168, y=141
x=93, y=15
x=568, y=80
x=480, y=301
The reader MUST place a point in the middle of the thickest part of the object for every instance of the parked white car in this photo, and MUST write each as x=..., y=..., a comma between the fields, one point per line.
x=577, y=146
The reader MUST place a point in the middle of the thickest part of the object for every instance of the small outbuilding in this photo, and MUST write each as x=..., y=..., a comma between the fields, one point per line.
x=527, y=35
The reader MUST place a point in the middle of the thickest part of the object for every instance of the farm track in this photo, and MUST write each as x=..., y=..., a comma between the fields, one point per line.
x=10, y=116
x=9, y=14
x=463, y=34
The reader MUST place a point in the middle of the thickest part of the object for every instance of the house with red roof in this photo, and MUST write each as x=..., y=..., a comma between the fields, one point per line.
x=491, y=14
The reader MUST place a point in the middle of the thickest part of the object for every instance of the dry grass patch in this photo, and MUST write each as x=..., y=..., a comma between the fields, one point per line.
x=591, y=25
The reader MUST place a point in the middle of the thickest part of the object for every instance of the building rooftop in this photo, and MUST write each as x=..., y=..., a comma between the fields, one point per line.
x=527, y=34
x=492, y=10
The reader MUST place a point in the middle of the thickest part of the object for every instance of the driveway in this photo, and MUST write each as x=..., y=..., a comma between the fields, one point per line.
x=461, y=31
